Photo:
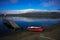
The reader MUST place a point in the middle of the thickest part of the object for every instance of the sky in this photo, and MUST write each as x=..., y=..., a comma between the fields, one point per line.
x=29, y=4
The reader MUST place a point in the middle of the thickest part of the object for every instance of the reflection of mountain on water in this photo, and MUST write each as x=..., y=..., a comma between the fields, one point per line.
x=29, y=19
x=25, y=22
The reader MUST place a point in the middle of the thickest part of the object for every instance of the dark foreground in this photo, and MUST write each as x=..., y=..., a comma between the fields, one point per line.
x=52, y=33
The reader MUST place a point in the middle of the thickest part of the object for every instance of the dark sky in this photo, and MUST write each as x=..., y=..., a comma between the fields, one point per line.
x=29, y=4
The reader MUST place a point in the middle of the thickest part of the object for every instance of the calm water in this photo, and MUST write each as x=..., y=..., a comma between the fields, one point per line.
x=25, y=22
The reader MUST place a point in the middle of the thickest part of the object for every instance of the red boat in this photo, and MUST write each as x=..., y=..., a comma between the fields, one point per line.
x=36, y=29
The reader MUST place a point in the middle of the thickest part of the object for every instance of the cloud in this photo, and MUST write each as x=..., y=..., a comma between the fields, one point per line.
x=50, y=3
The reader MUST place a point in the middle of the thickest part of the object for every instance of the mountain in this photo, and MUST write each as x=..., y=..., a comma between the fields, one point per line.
x=25, y=11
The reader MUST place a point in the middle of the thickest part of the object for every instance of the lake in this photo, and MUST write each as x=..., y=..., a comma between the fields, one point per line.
x=25, y=22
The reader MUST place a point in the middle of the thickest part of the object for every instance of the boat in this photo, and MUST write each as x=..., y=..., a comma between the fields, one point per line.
x=35, y=29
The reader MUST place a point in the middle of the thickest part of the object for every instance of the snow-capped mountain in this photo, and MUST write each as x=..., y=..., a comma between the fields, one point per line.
x=25, y=11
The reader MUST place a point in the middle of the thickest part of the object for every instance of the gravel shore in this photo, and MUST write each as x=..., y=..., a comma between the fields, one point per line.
x=52, y=33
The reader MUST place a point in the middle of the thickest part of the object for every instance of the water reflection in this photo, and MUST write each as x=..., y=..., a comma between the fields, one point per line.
x=24, y=22
x=30, y=19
